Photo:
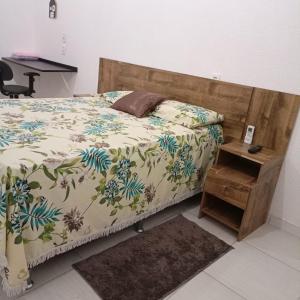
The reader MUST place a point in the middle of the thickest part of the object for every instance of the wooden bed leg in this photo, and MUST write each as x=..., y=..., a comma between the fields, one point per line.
x=29, y=282
x=139, y=227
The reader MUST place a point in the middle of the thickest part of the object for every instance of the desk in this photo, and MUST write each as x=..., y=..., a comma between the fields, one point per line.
x=42, y=65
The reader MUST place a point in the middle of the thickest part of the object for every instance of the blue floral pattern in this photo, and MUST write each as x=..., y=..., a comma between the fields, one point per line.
x=20, y=191
x=168, y=143
x=32, y=125
x=7, y=136
x=188, y=115
x=73, y=169
x=114, y=96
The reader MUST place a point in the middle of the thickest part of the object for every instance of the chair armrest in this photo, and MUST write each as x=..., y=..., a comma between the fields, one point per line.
x=31, y=74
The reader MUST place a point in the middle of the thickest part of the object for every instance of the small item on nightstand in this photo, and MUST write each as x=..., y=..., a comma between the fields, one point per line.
x=249, y=134
x=254, y=149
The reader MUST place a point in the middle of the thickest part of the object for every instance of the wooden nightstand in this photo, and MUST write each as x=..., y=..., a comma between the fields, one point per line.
x=239, y=187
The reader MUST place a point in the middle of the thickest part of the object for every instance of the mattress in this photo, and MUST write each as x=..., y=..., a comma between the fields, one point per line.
x=73, y=170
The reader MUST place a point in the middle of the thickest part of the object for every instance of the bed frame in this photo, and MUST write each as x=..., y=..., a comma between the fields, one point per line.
x=272, y=113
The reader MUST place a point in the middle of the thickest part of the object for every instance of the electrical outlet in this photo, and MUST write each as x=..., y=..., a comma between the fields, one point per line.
x=216, y=76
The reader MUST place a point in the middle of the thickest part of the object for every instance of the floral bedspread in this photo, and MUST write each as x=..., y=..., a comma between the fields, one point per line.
x=73, y=170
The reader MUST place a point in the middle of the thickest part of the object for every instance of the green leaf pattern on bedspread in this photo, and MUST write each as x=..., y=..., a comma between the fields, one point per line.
x=71, y=169
x=187, y=115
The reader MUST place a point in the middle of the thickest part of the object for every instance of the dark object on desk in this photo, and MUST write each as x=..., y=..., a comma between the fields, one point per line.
x=42, y=65
x=12, y=90
x=254, y=149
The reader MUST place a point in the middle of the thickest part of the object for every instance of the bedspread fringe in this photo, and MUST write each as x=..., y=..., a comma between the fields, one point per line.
x=106, y=232
x=12, y=291
x=71, y=245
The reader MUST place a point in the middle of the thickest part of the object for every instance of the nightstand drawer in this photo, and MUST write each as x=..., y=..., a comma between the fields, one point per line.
x=232, y=192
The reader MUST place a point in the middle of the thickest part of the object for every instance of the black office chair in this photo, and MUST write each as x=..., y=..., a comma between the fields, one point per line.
x=12, y=90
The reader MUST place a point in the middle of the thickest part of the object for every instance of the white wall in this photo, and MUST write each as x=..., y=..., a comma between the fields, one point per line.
x=253, y=42
x=17, y=26
x=17, y=29
x=286, y=201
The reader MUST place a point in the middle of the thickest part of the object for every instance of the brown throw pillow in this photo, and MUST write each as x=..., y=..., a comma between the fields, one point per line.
x=138, y=104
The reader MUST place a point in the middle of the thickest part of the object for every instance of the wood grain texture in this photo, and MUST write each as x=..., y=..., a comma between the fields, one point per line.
x=274, y=115
x=245, y=184
x=226, y=188
x=221, y=211
x=232, y=100
x=260, y=198
x=241, y=150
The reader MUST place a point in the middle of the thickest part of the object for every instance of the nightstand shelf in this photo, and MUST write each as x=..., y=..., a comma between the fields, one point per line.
x=223, y=212
x=238, y=189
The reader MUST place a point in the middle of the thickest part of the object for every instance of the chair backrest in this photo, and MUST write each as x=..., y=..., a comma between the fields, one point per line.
x=6, y=73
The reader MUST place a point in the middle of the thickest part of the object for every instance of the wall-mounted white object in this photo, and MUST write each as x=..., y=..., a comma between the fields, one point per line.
x=52, y=9
x=249, y=134
x=216, y=76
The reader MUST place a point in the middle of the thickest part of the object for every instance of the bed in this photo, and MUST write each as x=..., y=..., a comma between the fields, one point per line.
x=73, y=170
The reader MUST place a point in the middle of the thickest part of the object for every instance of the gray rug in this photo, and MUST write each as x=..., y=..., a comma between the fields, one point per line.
x=152, y=264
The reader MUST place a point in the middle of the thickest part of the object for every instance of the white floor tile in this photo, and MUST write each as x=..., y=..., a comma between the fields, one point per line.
x=53, y=268
x=255, y=275
x=285, y=226
x=213, y=227
x=204, y=287
x=69, y=286
x=278, y=244
x=194, y=211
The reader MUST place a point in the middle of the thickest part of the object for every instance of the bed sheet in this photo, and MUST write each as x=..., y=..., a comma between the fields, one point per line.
x=73, y=170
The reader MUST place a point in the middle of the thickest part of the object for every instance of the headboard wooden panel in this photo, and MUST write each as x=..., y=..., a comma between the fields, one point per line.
x=273, y=113
x=232, y=100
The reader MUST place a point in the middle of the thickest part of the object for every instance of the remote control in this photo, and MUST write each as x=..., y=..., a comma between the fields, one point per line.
x=254, y=149
x=249, y=134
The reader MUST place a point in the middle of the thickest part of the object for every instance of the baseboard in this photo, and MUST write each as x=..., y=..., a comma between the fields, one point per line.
x=284, y=225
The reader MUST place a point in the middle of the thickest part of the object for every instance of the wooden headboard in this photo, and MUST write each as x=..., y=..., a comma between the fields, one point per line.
x=272, y=113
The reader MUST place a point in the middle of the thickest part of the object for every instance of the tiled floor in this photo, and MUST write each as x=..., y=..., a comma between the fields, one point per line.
x=264, y=266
